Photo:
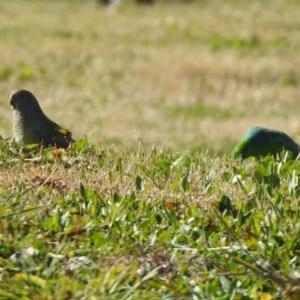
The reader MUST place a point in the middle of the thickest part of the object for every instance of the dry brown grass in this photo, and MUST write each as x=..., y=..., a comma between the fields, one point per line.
x=51, y=177
x=117, y=73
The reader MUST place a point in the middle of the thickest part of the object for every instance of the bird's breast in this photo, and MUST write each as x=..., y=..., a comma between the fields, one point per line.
x=27, y=128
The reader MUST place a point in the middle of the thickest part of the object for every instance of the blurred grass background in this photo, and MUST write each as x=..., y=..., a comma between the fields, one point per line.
x=188, y=74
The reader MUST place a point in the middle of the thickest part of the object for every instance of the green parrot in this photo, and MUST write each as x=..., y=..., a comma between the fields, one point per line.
x=32, y=126
x=262, y=141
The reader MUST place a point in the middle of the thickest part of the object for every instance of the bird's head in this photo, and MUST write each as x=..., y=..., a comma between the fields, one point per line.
x=23, y=101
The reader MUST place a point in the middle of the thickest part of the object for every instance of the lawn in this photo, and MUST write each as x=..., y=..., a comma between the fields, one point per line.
x=116, y=223
x=148, y=204
x=190, y=76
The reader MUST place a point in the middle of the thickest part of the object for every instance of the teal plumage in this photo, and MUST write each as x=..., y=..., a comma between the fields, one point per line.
x=262, y=142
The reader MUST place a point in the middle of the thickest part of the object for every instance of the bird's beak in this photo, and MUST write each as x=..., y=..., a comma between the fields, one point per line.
x=12, y=102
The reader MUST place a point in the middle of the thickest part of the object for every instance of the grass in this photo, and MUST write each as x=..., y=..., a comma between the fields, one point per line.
x=108, y=223
x=120, y=71
x=142, y=209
